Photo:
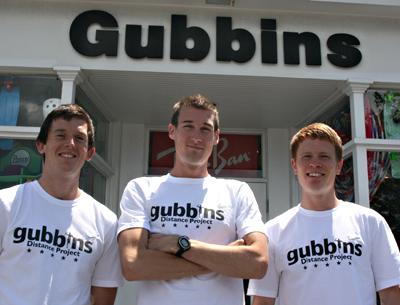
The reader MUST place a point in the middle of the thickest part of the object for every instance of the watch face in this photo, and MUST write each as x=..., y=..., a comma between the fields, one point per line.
x=184, y=243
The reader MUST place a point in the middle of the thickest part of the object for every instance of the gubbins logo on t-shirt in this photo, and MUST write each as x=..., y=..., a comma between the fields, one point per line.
x=187, y=214
x=326, y=252
x=53, y=241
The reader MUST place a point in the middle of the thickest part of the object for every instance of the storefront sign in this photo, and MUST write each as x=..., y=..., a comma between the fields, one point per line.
x=235, y=155
x=343, y=47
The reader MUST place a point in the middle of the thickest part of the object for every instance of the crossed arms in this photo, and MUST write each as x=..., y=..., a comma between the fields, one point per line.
x=146, y=256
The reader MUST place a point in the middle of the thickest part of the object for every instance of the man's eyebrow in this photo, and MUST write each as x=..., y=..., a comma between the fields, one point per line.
x=59, y=130
x=188, y=121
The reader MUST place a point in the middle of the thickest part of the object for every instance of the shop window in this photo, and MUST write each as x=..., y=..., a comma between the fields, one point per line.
x=344, y=183
x=236, y=155
x=93, y=182
x=384, y=170
x=382, y=114
x=25, y=100
x=339, y=119
x=19, y=162
x=100, y=123
x=22, y=163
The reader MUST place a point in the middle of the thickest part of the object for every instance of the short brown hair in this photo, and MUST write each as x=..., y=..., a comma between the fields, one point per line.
x=319, y=131
x=197, y=101
x=66, y=112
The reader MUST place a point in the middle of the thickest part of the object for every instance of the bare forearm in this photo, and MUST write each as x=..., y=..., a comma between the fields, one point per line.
x=141, y=263
x=390, y=296
x=235, y=261
x=247, y=259
x=103, y=295
x=257, y=300
x=156, y=265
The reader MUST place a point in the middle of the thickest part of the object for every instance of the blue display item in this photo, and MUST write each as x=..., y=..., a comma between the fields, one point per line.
x=9, y=109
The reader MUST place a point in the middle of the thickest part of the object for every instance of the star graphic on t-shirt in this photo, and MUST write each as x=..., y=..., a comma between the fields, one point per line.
x=209, y=227
x=349, y=263
x=29, y=250
x=186, y=226
x=315, y=265
x=63, y=257
x=75, y=259
x=327, y=264
x=41, y=251
x=305, y=267
x=197, y=226
x=338, y=263
x=163, y=225
x=52, y=255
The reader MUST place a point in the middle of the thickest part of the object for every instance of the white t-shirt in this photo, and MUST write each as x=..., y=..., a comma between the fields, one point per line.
x=341, y=256
x=52, y=251
x=211, y=210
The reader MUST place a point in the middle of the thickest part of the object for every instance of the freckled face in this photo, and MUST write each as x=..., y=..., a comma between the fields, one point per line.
x=316, y=166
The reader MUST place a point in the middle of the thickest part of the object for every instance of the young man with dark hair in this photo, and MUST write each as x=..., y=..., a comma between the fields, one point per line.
x=57, y=243
x=188, y=237
x=324, y=250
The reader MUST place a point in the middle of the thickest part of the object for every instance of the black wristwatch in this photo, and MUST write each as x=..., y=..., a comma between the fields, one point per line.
x=183, y=245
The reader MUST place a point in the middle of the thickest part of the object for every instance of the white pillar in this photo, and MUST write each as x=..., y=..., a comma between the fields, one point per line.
x=356, y=90
x=69, y=77
x=278, y=171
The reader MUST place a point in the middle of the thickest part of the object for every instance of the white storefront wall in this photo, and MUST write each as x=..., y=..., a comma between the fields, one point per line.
x=37, y=36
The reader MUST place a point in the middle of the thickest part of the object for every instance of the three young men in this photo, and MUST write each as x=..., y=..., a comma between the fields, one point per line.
x=57, y=243
x=326, y=251
x=188, y=237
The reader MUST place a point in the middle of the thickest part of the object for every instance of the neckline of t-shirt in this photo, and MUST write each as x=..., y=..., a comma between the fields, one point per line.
x=182, y=180
x=314, y=213
x=47, y=196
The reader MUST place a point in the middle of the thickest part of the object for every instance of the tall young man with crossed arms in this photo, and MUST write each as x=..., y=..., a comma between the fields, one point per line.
x=178, y=234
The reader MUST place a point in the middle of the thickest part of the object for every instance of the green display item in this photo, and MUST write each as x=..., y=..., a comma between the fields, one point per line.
x=27, y=159
x=395, y=164
x=392, y=127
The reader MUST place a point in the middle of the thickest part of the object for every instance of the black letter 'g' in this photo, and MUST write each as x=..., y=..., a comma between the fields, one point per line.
x=107, y=41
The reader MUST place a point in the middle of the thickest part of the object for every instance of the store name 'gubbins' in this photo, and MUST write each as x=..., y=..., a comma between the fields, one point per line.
x=343, y=47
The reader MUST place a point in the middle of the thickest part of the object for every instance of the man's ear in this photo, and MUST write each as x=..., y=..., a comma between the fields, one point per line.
x=339, y=167
x=216, y=136
x=294, y=166
x=171, y=131
x=90, y=153
x=40, y=147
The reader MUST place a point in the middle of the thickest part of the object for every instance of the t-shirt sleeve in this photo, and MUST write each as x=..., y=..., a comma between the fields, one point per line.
x=385, y=256
x=107, y=272
x=268, y=285
x=248, y=216
x=133, y=209
x=7, y=197
x=3, y=222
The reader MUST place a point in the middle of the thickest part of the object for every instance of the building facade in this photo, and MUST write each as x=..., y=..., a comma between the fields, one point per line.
x=271, y=66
